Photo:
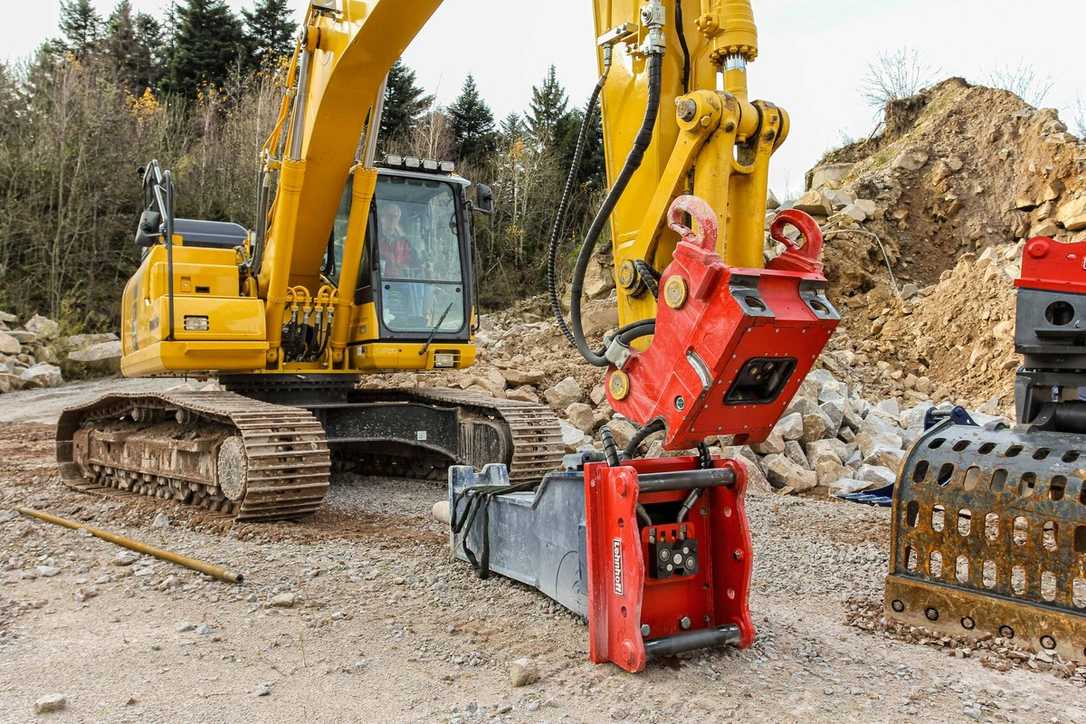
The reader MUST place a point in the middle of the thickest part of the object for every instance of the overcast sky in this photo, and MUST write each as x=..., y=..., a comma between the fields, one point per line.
x=814, y=53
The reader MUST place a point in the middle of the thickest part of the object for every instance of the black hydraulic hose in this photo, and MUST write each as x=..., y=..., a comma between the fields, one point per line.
x=610, y=449
x=640, y=436
x=682, y=44
x=563, y=204
x=633, y=163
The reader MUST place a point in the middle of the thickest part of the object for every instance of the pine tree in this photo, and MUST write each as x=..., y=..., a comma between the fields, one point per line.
x=405, y=104
x=472, y=124
x=512, y=128
x=548, y=107
x=269, y=31
x=131, y=44
x=148, y=66
x=80, y=25
x=207, y=43
x=590, y=172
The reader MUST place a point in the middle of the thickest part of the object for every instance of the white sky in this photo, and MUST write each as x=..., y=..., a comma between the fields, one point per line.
x=814, y=53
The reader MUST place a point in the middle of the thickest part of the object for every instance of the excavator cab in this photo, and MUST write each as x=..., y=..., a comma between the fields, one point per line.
x=415, y=281
x=416, y=267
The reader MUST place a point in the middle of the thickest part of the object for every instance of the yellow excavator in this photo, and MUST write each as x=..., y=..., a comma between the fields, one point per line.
x=354, y=267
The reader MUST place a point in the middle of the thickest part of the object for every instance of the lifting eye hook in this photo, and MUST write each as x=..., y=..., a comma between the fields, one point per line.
x=807, y=228
x=701, y=214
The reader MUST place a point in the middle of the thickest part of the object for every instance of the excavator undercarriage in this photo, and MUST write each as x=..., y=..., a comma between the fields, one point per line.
x=247, y=457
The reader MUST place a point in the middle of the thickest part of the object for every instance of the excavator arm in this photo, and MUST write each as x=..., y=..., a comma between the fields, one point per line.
x=732, y=337
x=337, y=81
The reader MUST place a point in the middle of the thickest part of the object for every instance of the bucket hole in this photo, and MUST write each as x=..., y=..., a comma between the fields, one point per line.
x=935, y=564
x=1050, y=535
x=1078, y=593
x=911, y=560
x=1057, y=487
x=1080, y=539
x=1048, y=586
x=938, y=518
x=991, y=526
x=1027, y=484
x=989, y=574
x=946, y=472
x=1013, y=451
x=936, y=443
x=960, y=445
x=961, y=569
x=965, y=522
x=999, y=480
x=986, y=448
x=1018, y=580
x=1070, y=456
x=920, y=471
x=1021, y=531
x=912, y=513
x=972, y=478
x=1041, y=453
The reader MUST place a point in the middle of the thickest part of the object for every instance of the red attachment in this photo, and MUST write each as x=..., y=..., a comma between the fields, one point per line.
x=1053, y=266
x=621, y=594
x=760, y=325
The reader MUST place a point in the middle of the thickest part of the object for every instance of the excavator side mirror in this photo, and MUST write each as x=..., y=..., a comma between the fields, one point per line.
x=484, y=199
x=149, y=231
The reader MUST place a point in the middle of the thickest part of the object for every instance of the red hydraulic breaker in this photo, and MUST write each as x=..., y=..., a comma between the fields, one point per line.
x=731, y=345
x=659, y=587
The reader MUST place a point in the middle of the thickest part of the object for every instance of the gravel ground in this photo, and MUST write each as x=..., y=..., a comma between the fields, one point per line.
x=359, y=614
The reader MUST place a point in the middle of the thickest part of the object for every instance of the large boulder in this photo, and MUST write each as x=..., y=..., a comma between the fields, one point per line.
x=102, y=357
x=572, y=438
x=782, y=472
x=581, y=416
x=598, y=281
x=564, y=394
x=42, y=375
x=43, y=327
x=10, y=382
x=9, y=344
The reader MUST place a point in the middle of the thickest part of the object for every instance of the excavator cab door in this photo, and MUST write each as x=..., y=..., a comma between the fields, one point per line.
x=416, y=269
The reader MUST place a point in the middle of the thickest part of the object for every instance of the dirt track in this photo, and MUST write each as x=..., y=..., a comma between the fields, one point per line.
x=385, y=626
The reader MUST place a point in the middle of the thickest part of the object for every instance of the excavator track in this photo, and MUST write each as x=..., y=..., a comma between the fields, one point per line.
x=222, y=451
x=531, y=444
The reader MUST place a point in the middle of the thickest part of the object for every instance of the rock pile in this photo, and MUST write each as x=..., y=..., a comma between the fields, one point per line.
x=831, y=439
x=35, y=354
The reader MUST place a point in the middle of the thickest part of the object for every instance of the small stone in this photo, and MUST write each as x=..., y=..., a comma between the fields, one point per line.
x=263, y=689
x=185, y=627
x=50, y=703
x=523, y=672
x=42, y=327
x=161, y=521
x=204, y=630
x=125, y=558
x=283, y=600
x=47, y=571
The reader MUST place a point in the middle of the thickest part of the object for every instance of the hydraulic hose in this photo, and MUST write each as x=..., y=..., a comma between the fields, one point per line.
x=588, y=247
x=640, y=436
x=682, y=44
x=563, y=204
